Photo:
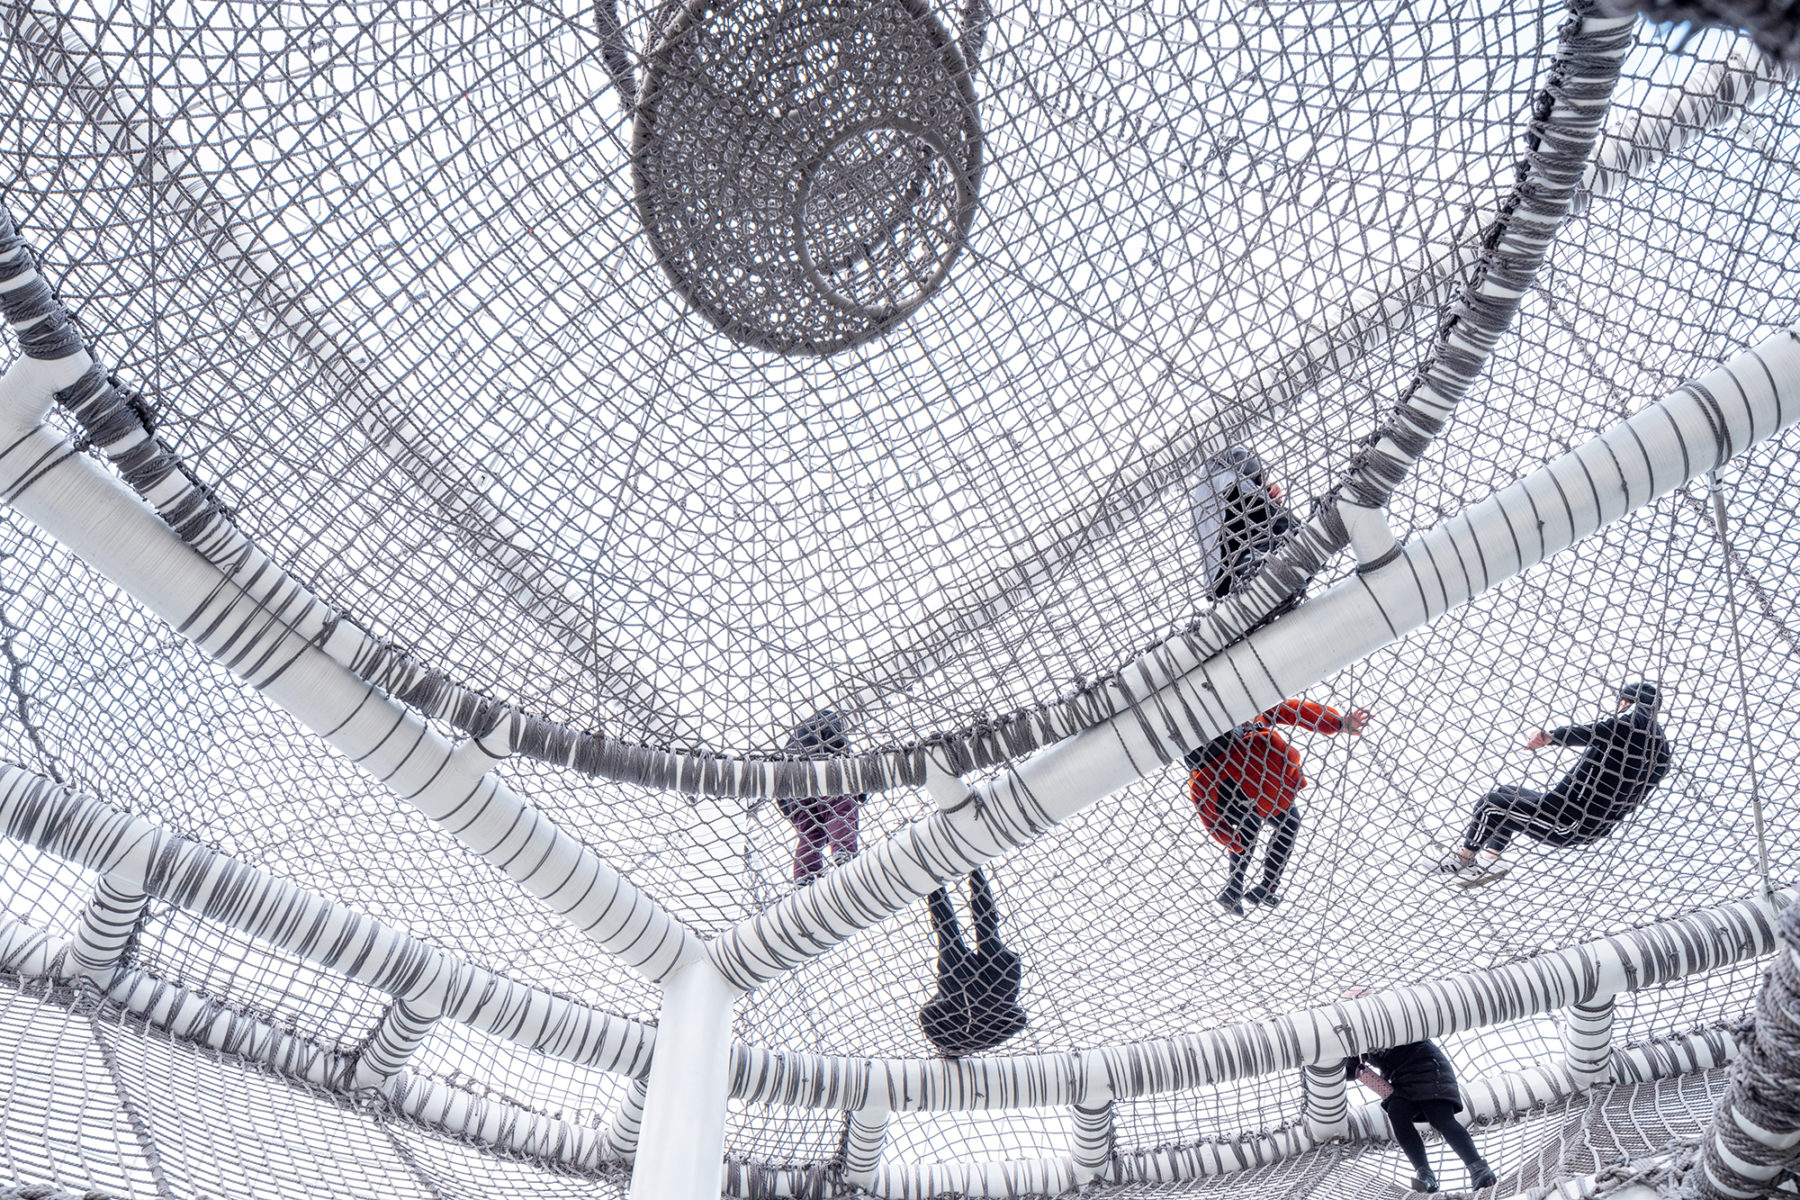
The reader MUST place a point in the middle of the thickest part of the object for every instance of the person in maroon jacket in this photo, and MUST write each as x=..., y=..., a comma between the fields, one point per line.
x=1249, y=776
x=821, y=822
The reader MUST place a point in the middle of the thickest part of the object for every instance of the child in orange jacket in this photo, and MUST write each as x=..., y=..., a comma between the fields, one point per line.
x=1249, y=776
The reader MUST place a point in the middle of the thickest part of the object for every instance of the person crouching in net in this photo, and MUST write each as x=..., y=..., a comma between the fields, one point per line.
x=1623, y=759
x=1250, y=776
x=976, y=1006
x=821, y=822
x=1239, y=522
x=1417, y=1083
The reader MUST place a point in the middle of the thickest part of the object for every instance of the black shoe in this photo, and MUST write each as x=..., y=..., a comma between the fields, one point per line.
x=1262, y=893
x=1425, y=1181
x=1231, y=902
x=1481, y=1175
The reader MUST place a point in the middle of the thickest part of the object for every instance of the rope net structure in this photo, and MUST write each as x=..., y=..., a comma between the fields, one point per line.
x=540, y=463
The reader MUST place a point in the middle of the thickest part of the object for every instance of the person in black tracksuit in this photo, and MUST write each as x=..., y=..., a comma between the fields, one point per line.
x=1623, y=759
x=1417, y=1083
x=977, y=1002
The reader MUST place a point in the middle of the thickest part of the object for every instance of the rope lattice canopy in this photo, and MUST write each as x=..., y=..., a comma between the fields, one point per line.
x=655, y=420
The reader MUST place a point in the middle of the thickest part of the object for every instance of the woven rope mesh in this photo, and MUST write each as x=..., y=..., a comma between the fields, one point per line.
x=404, y=288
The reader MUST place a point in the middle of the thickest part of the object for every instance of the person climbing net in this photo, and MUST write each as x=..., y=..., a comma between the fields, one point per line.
x=1248, y=777
x=1623, y=759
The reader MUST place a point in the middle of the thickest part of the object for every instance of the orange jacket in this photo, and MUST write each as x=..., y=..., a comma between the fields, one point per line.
x=1261, y=762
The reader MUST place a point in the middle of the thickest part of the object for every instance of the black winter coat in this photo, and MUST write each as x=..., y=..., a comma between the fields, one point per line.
x=1418, y=1071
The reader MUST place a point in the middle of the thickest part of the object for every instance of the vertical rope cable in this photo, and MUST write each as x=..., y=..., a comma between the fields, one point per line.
x=1737, y=649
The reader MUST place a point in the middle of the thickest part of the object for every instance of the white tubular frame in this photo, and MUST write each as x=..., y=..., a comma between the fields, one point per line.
x=254, y=622
x=138, y=857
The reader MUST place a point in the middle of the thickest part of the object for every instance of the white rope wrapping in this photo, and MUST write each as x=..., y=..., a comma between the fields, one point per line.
x=107, y=923
x=138, y=855
x=1755, y=1132
x=260, y=624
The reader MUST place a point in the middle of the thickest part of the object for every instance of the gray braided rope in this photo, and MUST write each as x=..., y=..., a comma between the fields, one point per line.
x=1755, y=1131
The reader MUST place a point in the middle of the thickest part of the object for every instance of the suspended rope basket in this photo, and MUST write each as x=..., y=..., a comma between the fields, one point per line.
x=807, y=172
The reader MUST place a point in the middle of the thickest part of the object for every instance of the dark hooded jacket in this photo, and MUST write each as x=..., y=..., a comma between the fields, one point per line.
x=1625, y=758
x=1417, y=1071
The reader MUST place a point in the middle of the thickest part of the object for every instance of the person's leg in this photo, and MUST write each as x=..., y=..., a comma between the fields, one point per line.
x=986, y=914
x=1499, y=815
x=1285, y=827
x=1441, y=1118
x=809, y=846
x=841, y=816
x=1232, y=898
x=951, y=950
x=1401, y=1115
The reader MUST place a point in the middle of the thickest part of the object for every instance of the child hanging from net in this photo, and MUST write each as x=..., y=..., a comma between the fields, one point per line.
x=1249, y=777
x=976, y=1006
x=821, y=822
x=1417, y=1083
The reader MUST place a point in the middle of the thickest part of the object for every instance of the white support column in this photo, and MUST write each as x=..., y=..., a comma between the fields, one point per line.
x=627, y=1125
x=865, y=1141
x=681, y=1149
x=1587, y=1041
x=98, y=946
x=1091, y=1145
x=403, y=1029
x=1327, y=1095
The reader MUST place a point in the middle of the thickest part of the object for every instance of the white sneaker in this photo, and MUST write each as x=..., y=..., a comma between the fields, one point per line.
x=1453, y=863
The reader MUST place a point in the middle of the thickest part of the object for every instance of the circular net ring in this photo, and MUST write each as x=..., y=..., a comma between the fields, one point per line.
x=807, y=172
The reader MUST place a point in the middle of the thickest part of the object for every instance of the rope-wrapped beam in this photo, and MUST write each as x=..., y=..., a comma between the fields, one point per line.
x=1326, y=1096
x=397, y=1037
x=139, y=856
x=1755, y=1132
x=108, y=921
x=1587, y=1041
x=865, y=1138
x=260, y=625
x=627, y=1123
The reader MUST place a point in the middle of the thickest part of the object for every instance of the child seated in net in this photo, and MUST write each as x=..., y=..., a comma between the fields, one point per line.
x=821, y=822
x=1417, y=1083
x=976, y=1006
x=1238, y=520
x=1250, y=776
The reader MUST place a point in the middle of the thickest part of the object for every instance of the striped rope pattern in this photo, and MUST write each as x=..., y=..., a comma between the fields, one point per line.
x=1587, y=1037
x=264, y=627
x=399, y=1034
x=1755, y=1132
x=107, y=924
x=137, y=855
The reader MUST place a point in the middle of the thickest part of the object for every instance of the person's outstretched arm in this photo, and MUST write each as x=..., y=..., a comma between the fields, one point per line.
x=1577, y=735
x=1320, y=718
